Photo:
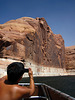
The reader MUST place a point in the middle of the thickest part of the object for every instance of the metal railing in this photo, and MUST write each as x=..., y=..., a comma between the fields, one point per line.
x=45, y=92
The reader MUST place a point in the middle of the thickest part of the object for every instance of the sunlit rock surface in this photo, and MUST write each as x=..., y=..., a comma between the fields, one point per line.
x=70, y=59
x=32, y=40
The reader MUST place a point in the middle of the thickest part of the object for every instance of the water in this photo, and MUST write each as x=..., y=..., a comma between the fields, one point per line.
x=65, y=84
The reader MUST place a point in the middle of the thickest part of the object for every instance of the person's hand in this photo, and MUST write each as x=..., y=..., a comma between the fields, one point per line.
x=30, y=73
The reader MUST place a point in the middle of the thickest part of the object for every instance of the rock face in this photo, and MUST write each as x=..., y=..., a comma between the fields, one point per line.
x=32, y=40
x=70, y=58
x=28, y=38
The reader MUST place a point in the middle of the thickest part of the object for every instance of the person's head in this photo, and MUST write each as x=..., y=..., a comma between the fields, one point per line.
x=15, y=71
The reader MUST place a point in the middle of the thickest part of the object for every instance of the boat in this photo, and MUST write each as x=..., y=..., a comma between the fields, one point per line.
x=45, y=92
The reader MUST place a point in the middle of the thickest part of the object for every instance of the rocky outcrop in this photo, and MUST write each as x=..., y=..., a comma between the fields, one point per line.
x=70, y=57
x=28, y=38
x=32, y=40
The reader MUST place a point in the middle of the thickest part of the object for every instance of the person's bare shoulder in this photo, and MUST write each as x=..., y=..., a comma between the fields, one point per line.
x=18, y=87
x=21, y=91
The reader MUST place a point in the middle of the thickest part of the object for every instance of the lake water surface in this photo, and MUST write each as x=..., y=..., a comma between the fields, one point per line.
x=65, y=84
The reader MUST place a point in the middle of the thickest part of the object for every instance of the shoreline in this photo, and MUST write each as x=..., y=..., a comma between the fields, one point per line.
x=38, y=70
x=3, y=73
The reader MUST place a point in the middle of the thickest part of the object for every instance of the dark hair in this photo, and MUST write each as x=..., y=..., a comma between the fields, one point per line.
x=14, y=71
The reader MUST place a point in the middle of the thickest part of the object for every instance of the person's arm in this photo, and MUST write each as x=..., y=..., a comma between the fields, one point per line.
x=32, y=86
x=25, y=91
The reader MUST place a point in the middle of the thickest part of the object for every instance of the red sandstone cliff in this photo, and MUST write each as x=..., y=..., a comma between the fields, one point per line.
x=32, y=39
x=70, y=57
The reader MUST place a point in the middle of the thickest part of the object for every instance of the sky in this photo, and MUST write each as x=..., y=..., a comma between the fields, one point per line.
x=59, y=14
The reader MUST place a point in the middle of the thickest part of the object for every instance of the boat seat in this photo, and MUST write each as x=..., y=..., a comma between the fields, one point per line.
x=35, y=98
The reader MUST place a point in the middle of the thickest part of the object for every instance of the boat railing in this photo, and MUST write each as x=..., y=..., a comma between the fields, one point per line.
x=45, y=92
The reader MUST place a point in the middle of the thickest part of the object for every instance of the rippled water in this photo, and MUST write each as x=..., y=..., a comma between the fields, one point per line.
x=65, y=84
